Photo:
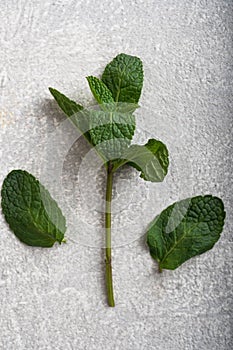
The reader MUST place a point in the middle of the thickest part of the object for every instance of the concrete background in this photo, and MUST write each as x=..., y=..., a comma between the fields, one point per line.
x=55, y=298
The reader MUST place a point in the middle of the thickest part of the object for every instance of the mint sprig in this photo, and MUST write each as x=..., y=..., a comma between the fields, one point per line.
x=111, y=130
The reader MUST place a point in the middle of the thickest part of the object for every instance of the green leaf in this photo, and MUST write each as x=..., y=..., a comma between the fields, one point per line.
x=30, y=211
x=151, y=159
x=100, y=91
x=68, y=106
x=185, y=229
x=111, y=132
x=124, y=78
x=74, y=111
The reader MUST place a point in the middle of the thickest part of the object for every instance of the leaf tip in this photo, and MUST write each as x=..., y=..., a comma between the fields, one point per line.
x=52, y=91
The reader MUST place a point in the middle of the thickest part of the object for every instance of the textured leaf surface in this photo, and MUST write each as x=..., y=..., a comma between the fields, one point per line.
x=100, y=91
x=30, y=211
x=124, y=78
x=74, y=111
x=151, y=159
x=185, y=229
x=111, y=132
x=68, y=106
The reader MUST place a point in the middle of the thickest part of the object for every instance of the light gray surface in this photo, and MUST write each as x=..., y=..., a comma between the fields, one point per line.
x=55, y=298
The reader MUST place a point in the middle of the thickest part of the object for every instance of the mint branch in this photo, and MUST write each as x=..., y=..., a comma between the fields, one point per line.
x=110, y=130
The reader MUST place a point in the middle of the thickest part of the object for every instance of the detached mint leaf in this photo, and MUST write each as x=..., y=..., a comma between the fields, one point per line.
x=100, y=91
x=74, y=111
x=124, y=78
x=32, y=214
x=151, y=159
x=185, y=229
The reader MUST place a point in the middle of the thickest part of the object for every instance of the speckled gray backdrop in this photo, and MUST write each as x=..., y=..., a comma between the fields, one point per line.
x=55, y=298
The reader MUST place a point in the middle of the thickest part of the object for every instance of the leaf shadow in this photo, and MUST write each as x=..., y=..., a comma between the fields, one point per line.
x=52, y=112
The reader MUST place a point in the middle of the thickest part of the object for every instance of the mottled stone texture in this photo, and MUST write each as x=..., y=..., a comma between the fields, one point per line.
x=55, y=298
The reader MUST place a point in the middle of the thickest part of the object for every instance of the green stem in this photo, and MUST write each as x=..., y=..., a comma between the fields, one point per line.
x=108, y=249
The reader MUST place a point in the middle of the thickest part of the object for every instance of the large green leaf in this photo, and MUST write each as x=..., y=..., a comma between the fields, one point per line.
x=151, y=159
x=124, y=78
x=185, y=229
x=111, y=132
x=32, y=214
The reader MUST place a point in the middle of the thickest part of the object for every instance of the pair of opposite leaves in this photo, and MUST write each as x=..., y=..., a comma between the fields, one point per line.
x=183, y=230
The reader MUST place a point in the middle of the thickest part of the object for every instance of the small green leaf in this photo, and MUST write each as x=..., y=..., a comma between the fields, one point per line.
x=68, y=106
x=124, y=78
x=151, y=159
x=74, y=111
x=185, y=229
x=30, y=211
x=100, y=91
